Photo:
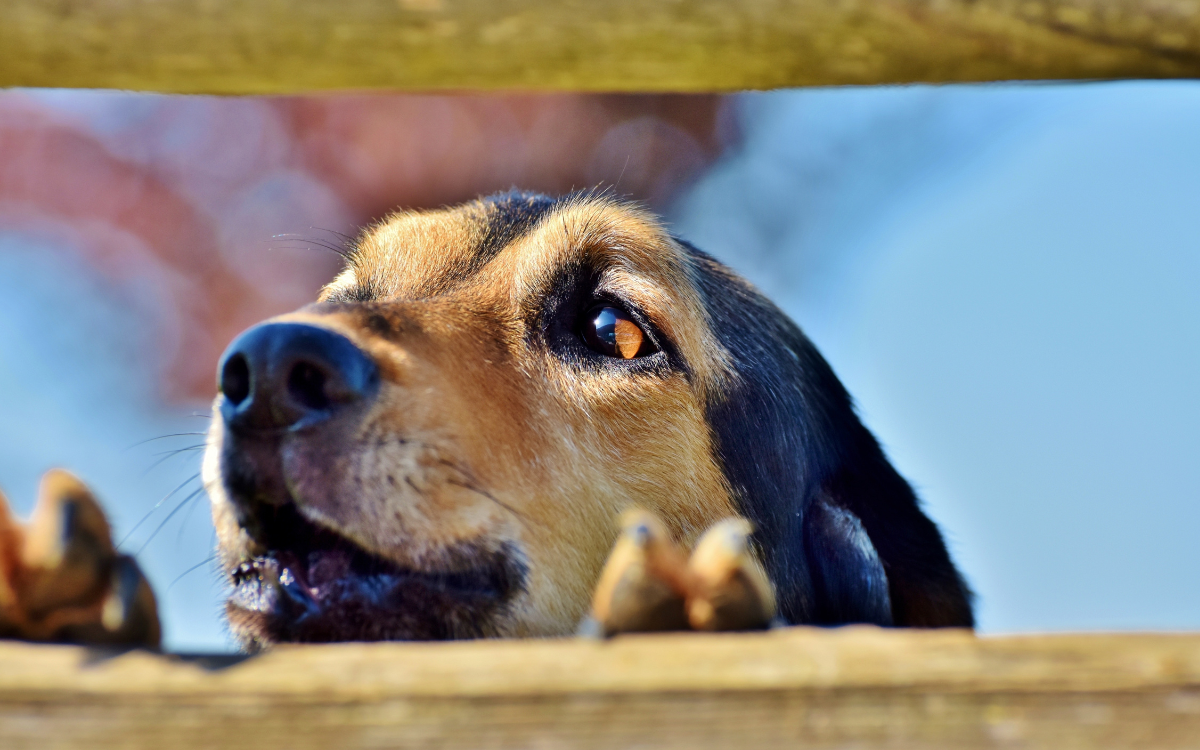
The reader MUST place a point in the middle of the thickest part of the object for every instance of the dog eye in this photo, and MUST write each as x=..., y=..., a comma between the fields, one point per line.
x=610, y=331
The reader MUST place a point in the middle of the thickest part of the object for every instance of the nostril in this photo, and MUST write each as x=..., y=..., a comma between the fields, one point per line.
x=291, y=376
x=235, y=379
x=306, y=384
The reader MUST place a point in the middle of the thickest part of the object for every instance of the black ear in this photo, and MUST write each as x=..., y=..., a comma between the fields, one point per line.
x=787, y=437
x=847, y=572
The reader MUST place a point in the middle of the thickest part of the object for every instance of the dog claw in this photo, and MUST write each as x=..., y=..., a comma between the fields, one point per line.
x=130, y=613
x=648, y=585
x=644, y=584
x=61, y=578
x=68, y=548
x=731, y=589
x=10, y=546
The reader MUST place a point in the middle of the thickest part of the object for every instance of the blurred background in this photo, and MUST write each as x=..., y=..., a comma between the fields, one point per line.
x=1005, y=277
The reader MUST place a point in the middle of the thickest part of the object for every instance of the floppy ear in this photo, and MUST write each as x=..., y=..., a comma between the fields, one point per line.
x=840, y=532
x=847, y=572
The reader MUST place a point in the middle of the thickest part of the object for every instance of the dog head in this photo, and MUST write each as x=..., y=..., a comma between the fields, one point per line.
x=439, y=446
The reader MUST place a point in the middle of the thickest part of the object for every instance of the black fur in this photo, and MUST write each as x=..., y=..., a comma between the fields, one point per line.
x=806, y=472
x=848, y=576
x=510, y=216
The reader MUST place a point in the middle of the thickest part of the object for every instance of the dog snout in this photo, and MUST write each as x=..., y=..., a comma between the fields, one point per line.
x=287, y=376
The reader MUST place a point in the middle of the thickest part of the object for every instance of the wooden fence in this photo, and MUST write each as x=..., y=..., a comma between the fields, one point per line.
x=287, y=46
x=798, y=687
x=852, y=687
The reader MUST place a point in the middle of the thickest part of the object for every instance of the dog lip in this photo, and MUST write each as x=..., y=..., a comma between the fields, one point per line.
x=313, y=584
x=300, y=552
x=300, y=578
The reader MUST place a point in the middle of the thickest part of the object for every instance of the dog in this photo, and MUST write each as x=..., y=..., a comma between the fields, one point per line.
x=439, y=446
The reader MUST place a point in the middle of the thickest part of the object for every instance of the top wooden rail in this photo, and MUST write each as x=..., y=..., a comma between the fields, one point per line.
x=797, y=687
x=290, y=46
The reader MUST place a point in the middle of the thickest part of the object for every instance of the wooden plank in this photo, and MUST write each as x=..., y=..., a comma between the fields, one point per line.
x=859, y=687
x=285, y=46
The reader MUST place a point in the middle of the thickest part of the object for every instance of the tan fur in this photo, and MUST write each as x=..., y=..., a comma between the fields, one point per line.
x=478, y=435
x=61, y=579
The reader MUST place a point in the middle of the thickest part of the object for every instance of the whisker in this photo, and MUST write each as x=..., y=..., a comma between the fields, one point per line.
x=164, y=437
x=489, y=496
x=146, y=517
x=184, y=523
x=312, y=242
x=309, y=246
x=335, y=233
x=168, y=456
x=184, y=449
x=197, y=566
x=618, y=182
x=468, y=483
x=170, y=515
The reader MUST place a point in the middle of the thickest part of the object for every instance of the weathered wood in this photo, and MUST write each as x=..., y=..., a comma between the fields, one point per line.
x=859, y=687
x=275, y=46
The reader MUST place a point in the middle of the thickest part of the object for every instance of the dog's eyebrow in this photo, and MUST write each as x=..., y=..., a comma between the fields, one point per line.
x=509, y=217
x=418, y=254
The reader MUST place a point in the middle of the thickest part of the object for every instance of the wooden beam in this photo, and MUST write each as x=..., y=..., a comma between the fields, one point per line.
x=289, y=46
x=798, y=687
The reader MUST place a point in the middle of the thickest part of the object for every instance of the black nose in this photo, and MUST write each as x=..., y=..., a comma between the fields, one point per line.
x=291, y=375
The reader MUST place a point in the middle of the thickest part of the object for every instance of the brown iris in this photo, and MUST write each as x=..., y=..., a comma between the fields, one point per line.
x=610, y=331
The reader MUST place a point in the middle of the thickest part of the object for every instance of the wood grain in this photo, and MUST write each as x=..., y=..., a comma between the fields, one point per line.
x=286, y=46
x=859, y=687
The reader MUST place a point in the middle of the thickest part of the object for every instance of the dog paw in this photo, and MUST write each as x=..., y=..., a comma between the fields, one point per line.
x=61, y=578
x=645, y=583
x=648, y=584
x=730, y=589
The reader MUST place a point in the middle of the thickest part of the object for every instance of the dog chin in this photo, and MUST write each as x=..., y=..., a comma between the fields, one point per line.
x=312, y=585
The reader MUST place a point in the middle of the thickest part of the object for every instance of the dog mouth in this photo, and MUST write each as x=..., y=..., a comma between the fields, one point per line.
x=315, y=585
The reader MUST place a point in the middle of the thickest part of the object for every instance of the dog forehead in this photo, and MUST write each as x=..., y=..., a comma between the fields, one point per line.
x=515, y=240
x=420, y=254
x=517, y=248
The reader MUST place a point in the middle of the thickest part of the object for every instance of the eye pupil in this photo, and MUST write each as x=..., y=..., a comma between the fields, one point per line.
x=611, y=332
